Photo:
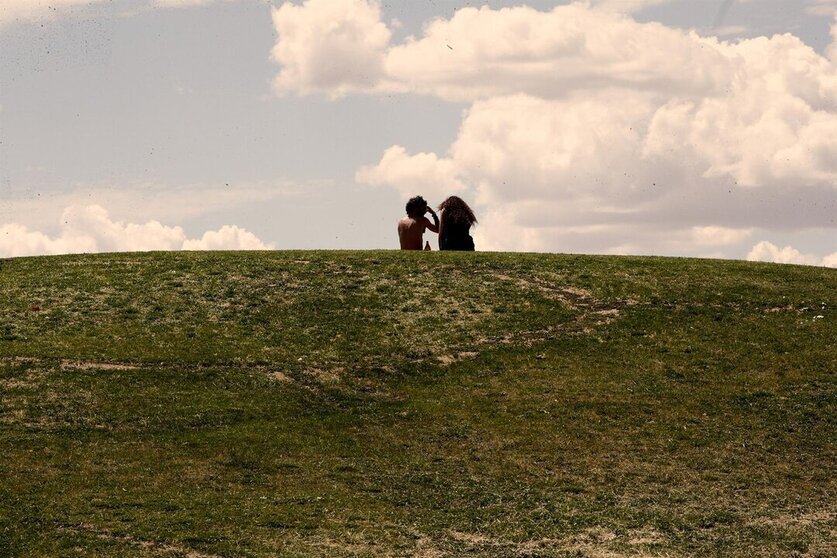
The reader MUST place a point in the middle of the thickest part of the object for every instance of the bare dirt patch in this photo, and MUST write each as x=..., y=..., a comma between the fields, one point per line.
x=19, y=360
x=803, y=520
x=645, y=536
x=26, y=381
x=447, y=360
x=595, y=542
x=155, y=548
x=322, y=376
x=567, y=294
x=278, y=376
x=92, y=365
x=426, y=548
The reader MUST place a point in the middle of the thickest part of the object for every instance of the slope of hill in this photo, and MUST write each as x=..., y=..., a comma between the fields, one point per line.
x=391, y=404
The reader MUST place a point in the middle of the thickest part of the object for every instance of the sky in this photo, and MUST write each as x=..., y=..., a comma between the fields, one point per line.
x=696, y=128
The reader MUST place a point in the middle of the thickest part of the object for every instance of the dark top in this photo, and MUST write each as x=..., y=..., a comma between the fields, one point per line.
x=455, y=236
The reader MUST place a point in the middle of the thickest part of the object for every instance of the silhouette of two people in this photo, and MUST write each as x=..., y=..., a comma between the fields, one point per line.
x=411, y=228
x=453, y=228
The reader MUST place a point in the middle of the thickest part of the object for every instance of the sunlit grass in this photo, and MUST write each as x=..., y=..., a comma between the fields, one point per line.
x=381, y=403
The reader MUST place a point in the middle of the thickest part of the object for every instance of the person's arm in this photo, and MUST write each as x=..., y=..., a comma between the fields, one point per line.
x=401, y=235
x=441, y=234
x=435, y=226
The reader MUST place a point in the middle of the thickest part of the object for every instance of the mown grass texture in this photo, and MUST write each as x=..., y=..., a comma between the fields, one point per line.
x=432, y=404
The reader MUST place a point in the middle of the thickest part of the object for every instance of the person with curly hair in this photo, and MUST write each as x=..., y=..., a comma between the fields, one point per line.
x=454, y=229
x=411, y=228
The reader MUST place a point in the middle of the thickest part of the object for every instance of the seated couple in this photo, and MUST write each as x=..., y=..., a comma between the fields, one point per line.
x=453, y=228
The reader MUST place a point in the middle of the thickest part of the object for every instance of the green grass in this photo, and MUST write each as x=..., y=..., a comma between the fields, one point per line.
x=395, y=404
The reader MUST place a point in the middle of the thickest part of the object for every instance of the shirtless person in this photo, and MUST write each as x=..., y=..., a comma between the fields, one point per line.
x=411, y=228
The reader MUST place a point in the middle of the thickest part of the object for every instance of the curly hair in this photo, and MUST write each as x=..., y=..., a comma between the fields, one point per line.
x=457, y=211
x=416, y=205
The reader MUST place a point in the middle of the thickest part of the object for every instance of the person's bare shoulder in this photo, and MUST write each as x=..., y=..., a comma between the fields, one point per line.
x=407, y=225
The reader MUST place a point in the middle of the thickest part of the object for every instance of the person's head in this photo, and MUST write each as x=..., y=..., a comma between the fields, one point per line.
x=456, y=210
x=416, y=207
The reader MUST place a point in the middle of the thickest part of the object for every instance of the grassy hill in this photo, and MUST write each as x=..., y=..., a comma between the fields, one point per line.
x=427, y=404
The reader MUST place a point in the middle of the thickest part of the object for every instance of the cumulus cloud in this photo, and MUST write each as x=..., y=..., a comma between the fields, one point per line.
x=523, y=147
x=483, y=52
x=586, y=125
x=228, y=237
x=332, y=46
x=766, y=251
x=17, y=240
x=341, y=46
x=409, y=174
x=91, y=229
x=756, y=111
x=604, y=159
x=830, y=260
x=588, y=130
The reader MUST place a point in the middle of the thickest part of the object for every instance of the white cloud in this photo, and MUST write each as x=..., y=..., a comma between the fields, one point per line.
x=332, y=46
x=586, y=162
x=423, y=173
x=17, y=240
x=581, y=117
x=719, y=236
x=481, y=52
x=228, y=237
x=22, y=10
x=830, y=260
x=745, y=139
x=756, y=111
x=92, y=223
x=772, y=124
x=821, y=7
x=91, y=229
x=522, y=147
x=498, y=230
x=152, y=201
x=766, y=251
